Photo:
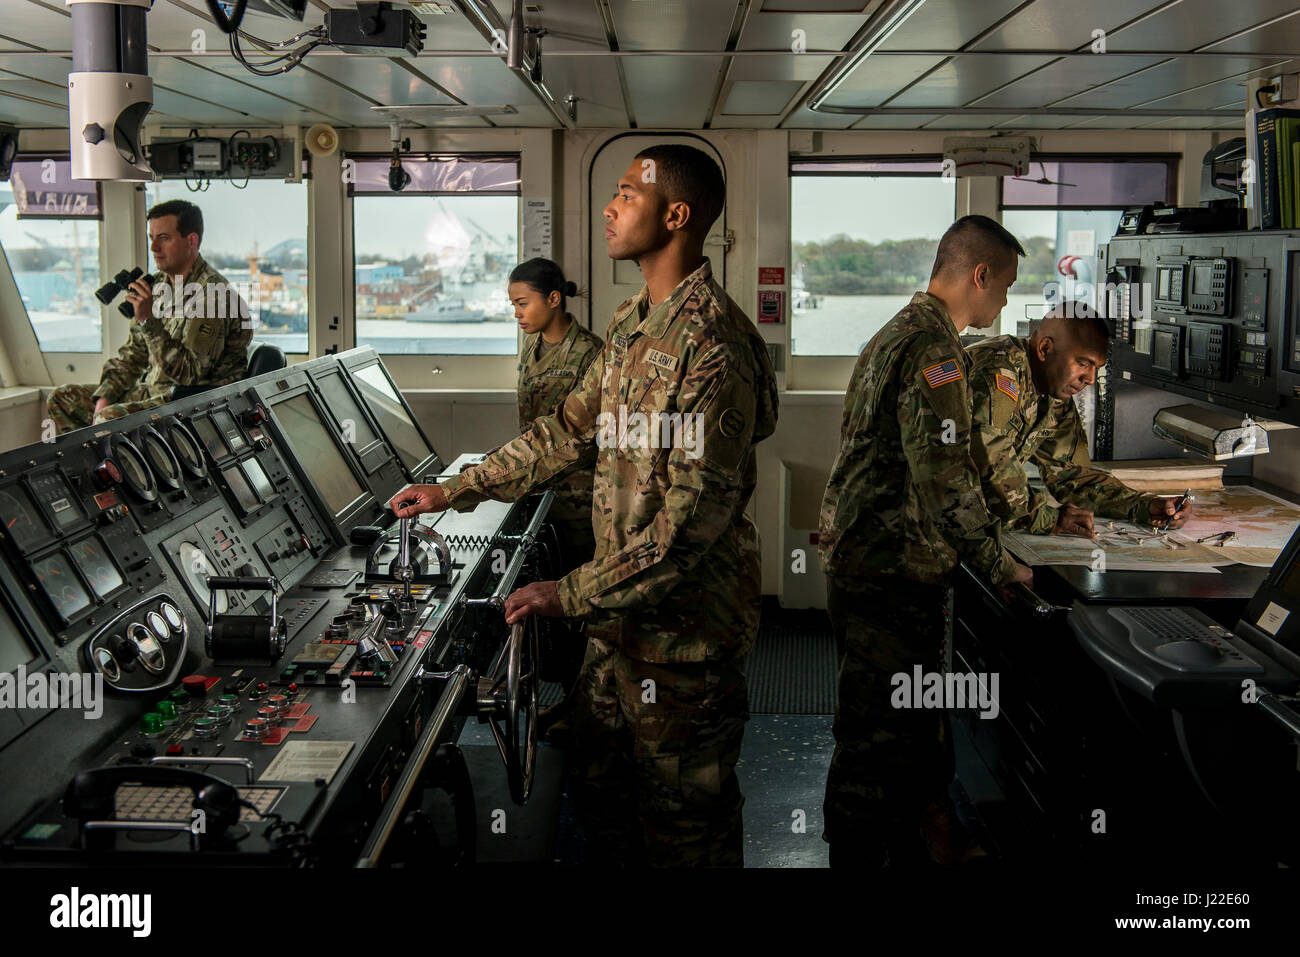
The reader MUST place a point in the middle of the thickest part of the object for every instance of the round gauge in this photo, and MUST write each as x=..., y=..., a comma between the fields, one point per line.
x=135, y=472
x=151, y=653
x=195, y=563
x=18, y=520
x=172, y=615
x=107, y=664
x=160, y=456
x=158, y=626
x=186, y=447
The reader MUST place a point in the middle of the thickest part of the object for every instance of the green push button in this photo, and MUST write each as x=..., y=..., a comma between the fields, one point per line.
x=167, y=709
x=179, y=695
x=151, y=723
x=229, y=700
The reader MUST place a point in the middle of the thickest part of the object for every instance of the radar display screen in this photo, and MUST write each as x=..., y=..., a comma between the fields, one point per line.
x=382, y=399
x=320, y=458
x=356, y=430
x=61, y=586
x=97, y=567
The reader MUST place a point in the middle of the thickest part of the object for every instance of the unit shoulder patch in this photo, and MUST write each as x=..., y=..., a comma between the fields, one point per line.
x=731, y=423
x=941, y=373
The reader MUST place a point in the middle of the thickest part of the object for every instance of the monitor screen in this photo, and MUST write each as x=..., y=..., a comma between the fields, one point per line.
x=1163, y=278
x=356, y=430
x=316, y=451
x=382, y=399
x=1202, y=279
x=14, y=650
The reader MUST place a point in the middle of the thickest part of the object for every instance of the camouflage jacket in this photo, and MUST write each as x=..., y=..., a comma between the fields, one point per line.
x=189, y=340
x=675, y=576
x=544, y=383
x=1015, y=424
x=904, y=496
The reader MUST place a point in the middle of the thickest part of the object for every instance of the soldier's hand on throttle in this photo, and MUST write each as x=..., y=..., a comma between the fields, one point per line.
x=140, y=295
x=539, y=598
x=100, y=404
x=1024, y=576
x=418, y=499
x=1074, y=521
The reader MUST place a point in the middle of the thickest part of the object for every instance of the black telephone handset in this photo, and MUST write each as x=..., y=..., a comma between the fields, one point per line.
x=91, y=796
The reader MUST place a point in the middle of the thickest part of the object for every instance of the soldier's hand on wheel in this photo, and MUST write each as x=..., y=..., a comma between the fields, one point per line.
x=539, y=598
x=1164, y=516
x=140, y=295
x=100, y=404
x=418, y=499
x=1074, y=521
x=1024, y=576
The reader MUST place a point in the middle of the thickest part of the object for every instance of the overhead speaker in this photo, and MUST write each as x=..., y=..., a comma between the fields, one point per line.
x=322, y=140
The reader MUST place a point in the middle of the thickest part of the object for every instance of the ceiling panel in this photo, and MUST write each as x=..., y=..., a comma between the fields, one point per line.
x=1037, y=122
x=384, y=80
x=237, y=89
x=815, y=6
x=760, y=97
x=475, y=80
x=31, y=115
x=963, y=79
x=671, y=91
x=1065, y=78
x=1061, y=24
x=672, y=24
x=42, y=26
x=52, y=69
x=1196, y=23
x=774, y=31
x=1274, y=38
x=879, y=78
x=892, y=122
x=724, y=122
x=805, y=119
x=967, y=121
x=304, y=86
x=948, y=24
x=1228, y=93
x=761, y=68
x=594, y=81
x=1165, y=79
x=1235, y=122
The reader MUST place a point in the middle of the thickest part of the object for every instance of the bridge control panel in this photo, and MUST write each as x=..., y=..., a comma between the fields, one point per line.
x=222, y=584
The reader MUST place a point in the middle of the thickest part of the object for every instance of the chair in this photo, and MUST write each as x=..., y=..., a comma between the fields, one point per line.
x=262, y=357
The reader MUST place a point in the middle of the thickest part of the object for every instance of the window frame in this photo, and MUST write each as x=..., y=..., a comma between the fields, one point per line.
x=480, y=360
x=1170, y=161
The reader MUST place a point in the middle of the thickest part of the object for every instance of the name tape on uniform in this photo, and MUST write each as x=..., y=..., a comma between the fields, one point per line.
x=941, y=373
x=662, y=359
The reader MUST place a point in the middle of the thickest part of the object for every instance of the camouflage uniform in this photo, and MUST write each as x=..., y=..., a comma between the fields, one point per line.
x=1015, y=424
x=902, y=506
x=672, y=594
x=167, y=349
x=544, y=383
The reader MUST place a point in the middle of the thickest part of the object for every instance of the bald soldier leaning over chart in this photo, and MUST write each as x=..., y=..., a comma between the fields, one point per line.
x=1022, y=407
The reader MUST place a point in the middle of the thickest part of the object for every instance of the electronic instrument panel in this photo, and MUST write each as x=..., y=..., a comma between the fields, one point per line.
x=121, y=544
x=1210, y=316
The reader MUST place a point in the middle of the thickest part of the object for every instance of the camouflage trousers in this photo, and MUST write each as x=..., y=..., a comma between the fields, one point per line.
x=564, y=642
x=72, y=406
x=886, y=790
x=653, y=760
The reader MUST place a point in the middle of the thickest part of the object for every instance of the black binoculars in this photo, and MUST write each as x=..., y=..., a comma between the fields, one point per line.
x=119, y=283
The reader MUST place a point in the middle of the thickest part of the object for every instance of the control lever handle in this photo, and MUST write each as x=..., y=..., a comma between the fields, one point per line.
x=1028, y=599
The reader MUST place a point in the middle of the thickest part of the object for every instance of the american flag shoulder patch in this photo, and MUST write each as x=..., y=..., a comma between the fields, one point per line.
x=941, y=373
x=1009, y=386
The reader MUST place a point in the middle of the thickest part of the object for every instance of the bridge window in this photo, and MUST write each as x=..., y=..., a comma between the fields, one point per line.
x=1060, y=211
x=864, y=234
x=49, y=231
x=432, y=262
x=255, y=234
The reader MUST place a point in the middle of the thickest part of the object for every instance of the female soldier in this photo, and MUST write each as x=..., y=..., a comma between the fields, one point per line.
x=554, y=358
